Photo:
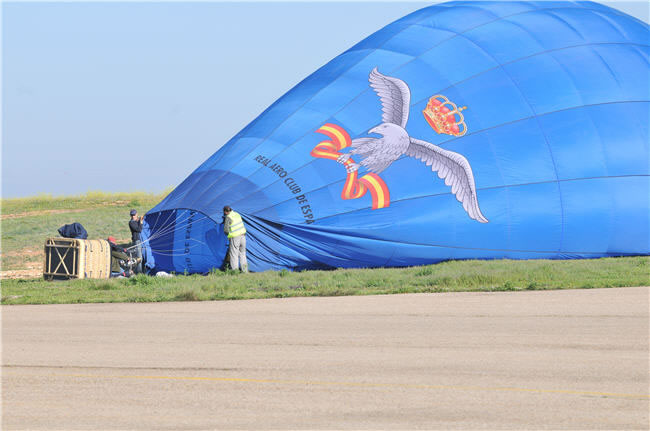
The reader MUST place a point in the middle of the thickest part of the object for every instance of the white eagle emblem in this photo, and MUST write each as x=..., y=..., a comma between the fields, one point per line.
x=377, y=154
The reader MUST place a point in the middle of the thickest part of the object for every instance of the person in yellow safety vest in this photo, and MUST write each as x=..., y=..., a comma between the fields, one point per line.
x=233, y=226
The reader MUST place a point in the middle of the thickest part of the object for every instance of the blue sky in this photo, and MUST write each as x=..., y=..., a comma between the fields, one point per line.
x=134, y=96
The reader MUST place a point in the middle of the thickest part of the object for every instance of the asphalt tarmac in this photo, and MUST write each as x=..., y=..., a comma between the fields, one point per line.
x=572, y=359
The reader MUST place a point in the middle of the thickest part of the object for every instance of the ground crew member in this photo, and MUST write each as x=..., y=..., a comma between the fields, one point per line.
x=135, y=224
x=233, y=226
x=117, y=257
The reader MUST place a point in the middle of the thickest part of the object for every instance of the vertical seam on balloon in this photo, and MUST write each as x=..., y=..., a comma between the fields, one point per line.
x=612, y=24
x=645, y=56
x=612, y=197
x=570, y=76
x=611, y=71
x=602, y=141
x=539, y=125
x=566, y=23
x=618, y=83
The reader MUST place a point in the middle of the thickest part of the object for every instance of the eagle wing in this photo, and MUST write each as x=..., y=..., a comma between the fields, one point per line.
x=454, y=169
x=395, y=97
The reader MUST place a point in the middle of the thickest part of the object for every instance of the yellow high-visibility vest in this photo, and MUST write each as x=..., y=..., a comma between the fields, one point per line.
x=236, y=225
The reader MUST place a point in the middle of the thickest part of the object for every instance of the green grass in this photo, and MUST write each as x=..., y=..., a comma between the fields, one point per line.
x=45, y=202
x=100, y=213
x=453, y=276
x=107, y=214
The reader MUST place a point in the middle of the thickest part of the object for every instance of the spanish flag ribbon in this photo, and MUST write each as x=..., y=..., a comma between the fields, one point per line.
x=354, y=187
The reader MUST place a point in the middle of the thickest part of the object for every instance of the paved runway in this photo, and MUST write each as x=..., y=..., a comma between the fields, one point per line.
x=574, y=359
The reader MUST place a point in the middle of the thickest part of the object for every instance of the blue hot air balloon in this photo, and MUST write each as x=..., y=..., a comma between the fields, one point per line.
x=463, y=130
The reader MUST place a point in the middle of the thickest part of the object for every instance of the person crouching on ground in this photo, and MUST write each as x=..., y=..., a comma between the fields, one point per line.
x=234, y=227
x=135, y=224
x=117, y=257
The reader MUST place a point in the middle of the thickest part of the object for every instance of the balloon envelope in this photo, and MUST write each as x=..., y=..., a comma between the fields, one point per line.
x=512, y=130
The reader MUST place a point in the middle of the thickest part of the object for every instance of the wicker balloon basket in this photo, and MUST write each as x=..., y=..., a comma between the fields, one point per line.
x=68, y=258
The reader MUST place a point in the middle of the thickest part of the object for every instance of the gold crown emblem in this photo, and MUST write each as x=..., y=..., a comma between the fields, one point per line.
x=444, y=116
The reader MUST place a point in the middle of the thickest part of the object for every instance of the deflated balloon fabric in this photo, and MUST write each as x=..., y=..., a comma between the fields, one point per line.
x=463, y=130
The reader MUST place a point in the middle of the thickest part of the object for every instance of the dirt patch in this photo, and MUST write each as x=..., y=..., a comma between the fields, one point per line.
x=25, y=252
x=62, y=211
x=32, y=265
x=22, y=273
x=37, y=213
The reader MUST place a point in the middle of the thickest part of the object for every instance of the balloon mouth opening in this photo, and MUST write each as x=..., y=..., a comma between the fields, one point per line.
x=185, y=237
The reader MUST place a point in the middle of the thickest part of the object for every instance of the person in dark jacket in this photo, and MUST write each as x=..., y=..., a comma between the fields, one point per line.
x=117, y=255
x=135, y=225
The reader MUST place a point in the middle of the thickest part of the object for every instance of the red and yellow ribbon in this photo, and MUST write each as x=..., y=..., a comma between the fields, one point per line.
x=354, y=187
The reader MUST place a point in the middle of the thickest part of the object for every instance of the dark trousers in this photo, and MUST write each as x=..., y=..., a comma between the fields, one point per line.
x=137, y=251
